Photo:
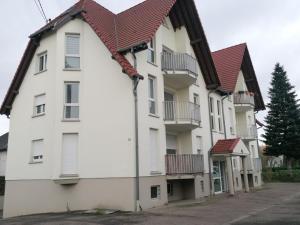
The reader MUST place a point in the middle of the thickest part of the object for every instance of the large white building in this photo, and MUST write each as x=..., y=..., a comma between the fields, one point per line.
x=128, y=111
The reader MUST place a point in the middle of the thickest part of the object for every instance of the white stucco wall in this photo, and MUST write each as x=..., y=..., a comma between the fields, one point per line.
x=106, y=127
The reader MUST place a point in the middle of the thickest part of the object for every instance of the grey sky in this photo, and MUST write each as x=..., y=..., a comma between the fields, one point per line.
x=271, y=29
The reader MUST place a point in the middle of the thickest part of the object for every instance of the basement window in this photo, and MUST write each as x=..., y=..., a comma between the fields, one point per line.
x=155, y=192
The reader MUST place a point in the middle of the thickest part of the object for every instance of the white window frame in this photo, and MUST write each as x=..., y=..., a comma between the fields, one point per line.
x=152, y=99
x=35, y=107
x=196, y=99
x=35, y=158
x=152, y=51
x=158, y=192
x=219, y=111
x=231, y=127
x=72, y=55
x=71, y=104
x=212, y=112
x=199, y=143
x=44, y=63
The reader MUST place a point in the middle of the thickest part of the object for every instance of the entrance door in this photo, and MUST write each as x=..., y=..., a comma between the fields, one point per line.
x=169, y=107
x=219, y=176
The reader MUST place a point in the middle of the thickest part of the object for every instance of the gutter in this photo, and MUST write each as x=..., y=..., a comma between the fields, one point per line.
x=136, y=80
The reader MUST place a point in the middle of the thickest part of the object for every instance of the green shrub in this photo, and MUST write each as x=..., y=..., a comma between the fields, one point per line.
x=281, y=175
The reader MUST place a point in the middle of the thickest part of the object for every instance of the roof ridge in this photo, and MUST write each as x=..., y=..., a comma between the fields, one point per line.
x=233, y=46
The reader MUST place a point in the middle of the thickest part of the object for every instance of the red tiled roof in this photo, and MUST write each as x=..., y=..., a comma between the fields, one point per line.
x=228, y=63
x=140, y=23
x=120, y=32
x=225, y=146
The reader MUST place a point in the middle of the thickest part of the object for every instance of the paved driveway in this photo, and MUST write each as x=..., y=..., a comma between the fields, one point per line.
x=275, y=204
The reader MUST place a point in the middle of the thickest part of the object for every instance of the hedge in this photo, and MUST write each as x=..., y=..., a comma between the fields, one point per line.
x=281, y=175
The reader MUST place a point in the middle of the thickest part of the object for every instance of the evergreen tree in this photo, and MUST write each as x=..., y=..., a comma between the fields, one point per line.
x=282, y=131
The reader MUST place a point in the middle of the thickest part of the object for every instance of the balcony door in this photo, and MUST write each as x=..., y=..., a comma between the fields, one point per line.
x=171, y=144
x=169, y=106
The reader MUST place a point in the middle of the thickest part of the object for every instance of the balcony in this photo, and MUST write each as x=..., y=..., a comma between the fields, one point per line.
x=181, y=116
x=180, y=69
x=253, y=165
x=243, y=101
x=249, y=134
x=184, y=164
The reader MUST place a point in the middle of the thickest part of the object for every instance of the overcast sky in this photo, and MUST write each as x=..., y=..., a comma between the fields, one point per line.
x=271, y=29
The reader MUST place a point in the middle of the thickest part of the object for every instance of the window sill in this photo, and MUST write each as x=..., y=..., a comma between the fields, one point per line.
x=39, y=115
x=37, y=73
x=153, y=115
x=155, y=173
x=70, y=120
x=69, y=176
x=153, y=64
x=70, y=69
x=38, y=162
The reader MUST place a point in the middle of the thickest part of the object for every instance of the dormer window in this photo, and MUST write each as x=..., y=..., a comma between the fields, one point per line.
x=42, y=62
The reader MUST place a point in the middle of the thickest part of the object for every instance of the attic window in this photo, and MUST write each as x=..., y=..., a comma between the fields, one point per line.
x=72, y=52
x=42, y=62
x=152, y=51
x=165, y=23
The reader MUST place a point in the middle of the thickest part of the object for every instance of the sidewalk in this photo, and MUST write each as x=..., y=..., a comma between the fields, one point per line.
x=223, y=210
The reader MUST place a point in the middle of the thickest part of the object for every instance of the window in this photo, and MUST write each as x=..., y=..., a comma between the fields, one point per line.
x=199, y=142
x=39, y=105
x=42, y=62
x=196, y=99
x=170, y=189
x=231, y=126
x=154, y=147
x=220, y=121
x=252, y=150
x=152, y=95
x=155, y=192
x=212, y=113
x=171, y=141
x=152, y=51
x=69, y=154
x=72, y=55
x=71, y=105
x=37, y=150
x=230, y=98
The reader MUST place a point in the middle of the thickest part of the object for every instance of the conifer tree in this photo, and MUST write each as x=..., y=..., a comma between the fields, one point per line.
x=282, y=131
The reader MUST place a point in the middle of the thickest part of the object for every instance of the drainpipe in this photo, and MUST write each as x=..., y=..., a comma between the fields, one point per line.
x=136, y=81
x=212, y=145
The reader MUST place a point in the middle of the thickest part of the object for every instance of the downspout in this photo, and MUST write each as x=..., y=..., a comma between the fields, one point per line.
x=136, y=81
x=212, y=145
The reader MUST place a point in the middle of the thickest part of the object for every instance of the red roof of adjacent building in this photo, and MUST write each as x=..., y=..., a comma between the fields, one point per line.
x=225, y=146
x=228, y=63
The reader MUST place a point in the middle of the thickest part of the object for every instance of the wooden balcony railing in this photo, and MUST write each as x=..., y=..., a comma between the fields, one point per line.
x=244, y=97
x=184, y=164
x=171, y=61
x=181, y=111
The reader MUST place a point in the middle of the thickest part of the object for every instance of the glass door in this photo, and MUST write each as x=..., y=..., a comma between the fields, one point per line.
x=219, y=177
x=169, y=107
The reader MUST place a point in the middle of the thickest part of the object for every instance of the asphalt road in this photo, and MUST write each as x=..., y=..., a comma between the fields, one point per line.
x=275, y=204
